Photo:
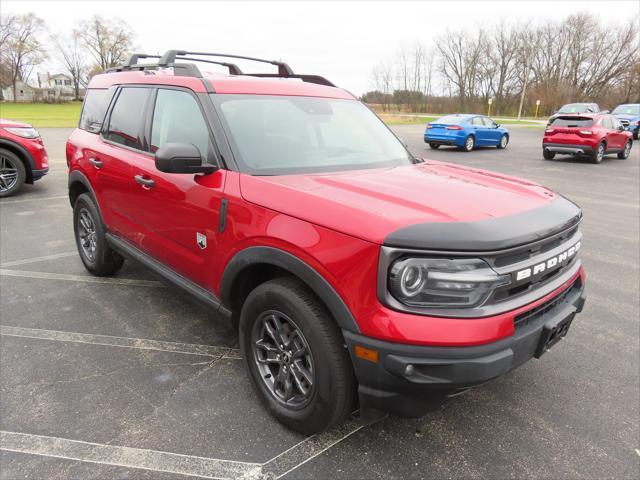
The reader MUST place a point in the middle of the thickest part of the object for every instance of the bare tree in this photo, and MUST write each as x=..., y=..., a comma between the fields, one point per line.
x=73, y=56
x=107, y=40
x=21, y=46
x=382, y=75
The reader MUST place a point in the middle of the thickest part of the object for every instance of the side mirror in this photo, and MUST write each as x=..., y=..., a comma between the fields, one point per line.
x=181, y=158
x=496, y=125
x=621, y=128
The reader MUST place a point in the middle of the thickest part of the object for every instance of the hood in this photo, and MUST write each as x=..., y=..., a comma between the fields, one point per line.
x=371, y=204
x=627, y=116
x=4, y=122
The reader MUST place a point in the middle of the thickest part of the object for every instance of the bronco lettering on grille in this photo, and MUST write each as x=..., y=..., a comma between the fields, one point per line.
x=548, y=264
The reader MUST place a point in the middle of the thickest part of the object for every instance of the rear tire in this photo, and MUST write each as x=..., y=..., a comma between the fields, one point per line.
x=504, y=141
x=624, y=154
x=469, y=144
x=282, y=324
x=96, y=254
x=13, y=173
x=598, y=154
x=548, y=155
x=435, y=146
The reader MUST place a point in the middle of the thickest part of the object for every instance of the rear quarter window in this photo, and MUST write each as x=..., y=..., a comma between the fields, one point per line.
x=566, y=121
x=94, y=108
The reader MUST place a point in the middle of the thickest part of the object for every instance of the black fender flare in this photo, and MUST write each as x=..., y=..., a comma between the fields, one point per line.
x=23, y=151
x=77, y=176
x=286, y=261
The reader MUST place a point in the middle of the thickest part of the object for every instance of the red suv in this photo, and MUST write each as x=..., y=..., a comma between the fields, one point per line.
x=23, y=158
x=590, y=134
x=355, y=272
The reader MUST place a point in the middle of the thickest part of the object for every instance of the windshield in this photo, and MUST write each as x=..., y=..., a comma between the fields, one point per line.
x=576, y=108
x=633, y=109
x=279, y=135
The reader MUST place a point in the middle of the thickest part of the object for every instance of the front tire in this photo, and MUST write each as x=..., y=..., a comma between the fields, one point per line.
x=96, y=254
x=294, y=353
x=598, y=154
x=12, y=173
x=435, y=146
x=504, y=141
x=469, y=143
x=624, y=154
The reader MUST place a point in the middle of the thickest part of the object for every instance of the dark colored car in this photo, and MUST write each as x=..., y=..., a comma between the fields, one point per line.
x=466, y=132
x=23, y=158
x=629, y=116
x=574, y=109
x=590, y=135
x=356, y=273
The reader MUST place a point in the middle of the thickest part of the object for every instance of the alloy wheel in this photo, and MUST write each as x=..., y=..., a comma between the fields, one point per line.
x=8, y=174
x=468, y=144
x=503, y=141
x=600, y=153
x=87, y=234
x=283, y=358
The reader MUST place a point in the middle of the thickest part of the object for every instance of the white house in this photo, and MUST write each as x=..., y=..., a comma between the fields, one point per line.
x=58, y=86
x=24, y=92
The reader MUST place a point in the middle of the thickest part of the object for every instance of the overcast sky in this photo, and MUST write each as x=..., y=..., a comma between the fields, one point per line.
x=339, y=40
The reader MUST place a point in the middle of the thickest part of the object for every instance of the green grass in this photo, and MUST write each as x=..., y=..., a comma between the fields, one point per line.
x=43, y=115
x=391, y=119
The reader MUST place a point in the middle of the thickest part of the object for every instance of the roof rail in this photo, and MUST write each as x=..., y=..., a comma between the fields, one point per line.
x=170, y=56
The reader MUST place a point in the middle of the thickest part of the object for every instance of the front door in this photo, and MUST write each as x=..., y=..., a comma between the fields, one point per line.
x=178, y=214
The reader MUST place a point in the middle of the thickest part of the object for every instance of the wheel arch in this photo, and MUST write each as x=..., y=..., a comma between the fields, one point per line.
x=79, y=184
x=24, y=156
x=255, y=265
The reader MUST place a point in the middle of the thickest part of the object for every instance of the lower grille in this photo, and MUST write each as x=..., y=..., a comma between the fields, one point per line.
x=544, y=308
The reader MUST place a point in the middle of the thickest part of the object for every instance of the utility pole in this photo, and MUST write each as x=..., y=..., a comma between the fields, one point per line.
x=524, y=88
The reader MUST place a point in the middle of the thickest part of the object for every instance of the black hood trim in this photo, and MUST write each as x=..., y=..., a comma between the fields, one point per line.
x=491, y=234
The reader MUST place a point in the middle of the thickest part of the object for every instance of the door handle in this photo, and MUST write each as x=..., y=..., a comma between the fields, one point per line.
x=96, y=163
x=146, y=183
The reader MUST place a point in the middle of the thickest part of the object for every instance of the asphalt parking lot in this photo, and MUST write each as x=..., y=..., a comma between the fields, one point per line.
x=120, y=378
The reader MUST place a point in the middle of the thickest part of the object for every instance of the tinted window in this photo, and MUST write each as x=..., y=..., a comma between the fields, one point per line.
x=94, y=108
x=127, y=116
x=177, y=118
x=605, y=122
x=274, y=135
x=572, y=122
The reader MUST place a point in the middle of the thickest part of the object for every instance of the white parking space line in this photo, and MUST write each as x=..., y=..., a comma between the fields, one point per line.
x=44, y=258
x=308, y=449
x=122, y=342
x=153, y=460
x=80, y=278
x=33, y=199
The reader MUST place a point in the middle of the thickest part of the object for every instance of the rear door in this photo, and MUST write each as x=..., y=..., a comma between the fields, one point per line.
x=178, y=215
x=480, y=131
x=122, y=145
x=618, y=133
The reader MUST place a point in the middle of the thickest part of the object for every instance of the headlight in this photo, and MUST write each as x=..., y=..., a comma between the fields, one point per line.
x=24, y=132
x=442, y=282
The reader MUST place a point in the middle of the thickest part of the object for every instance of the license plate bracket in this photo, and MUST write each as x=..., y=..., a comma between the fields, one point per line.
x=553, y=332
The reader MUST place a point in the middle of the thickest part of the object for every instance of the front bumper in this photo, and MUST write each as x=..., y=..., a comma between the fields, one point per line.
x=38, y=174
x=568, y=148
x=405, y=376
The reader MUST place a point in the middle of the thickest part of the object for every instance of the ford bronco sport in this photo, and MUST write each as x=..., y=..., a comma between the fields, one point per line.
x=356, y=273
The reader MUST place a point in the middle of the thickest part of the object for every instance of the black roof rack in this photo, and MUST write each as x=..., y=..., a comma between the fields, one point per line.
x=168, y=59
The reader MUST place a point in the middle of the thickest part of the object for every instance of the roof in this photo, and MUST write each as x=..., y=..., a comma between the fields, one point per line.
x=221, y=83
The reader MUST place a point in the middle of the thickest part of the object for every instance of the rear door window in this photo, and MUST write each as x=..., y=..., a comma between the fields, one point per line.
x=477, y=121
x=127, y=118
x=94, y=108
x=177, y=118
x=566, y=121
x=606, y=123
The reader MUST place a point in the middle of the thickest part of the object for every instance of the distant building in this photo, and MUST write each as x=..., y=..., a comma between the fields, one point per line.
x=24, y=92
x=55, y=87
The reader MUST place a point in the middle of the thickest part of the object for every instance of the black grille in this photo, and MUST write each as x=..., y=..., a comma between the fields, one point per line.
x=531, y=251
x=535, y=313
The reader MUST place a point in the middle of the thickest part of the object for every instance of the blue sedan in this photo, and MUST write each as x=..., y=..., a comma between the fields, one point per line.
x=466, y=132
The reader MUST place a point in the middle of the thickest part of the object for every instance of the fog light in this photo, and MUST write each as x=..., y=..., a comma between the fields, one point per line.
x=408, y=370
